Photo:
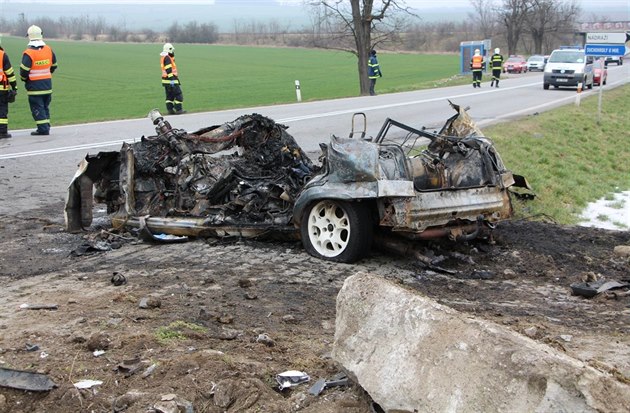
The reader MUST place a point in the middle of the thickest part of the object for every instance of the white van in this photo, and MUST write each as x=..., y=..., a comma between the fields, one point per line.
x=569, y=67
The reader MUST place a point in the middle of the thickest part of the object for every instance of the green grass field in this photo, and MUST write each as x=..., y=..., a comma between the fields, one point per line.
x=567, y=156
x=105, y=81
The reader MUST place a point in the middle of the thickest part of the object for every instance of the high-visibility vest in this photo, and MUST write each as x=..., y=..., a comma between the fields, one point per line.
x=477, y=62
x=4, y=81
x=172, y=66
x=42, y=61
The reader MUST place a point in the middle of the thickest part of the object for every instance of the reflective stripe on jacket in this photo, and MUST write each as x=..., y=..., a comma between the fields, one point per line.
x=476, y=63
x=169, y=69
x=42, y=61
x=496, y=61
x=38, y=64
x=374, y=69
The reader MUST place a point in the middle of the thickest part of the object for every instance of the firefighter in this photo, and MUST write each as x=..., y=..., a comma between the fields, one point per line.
x=496, y=63
x=38, y=64
x=476, y=66
x=374, y=71
x=170, y=81
x=8, y=90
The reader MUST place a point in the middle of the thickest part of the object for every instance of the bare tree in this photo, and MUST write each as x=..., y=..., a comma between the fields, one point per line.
x=358, y=26
x=512, y=15
x=485, y=17
x=550, y=16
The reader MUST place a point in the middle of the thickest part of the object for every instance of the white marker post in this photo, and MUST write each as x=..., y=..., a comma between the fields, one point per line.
x=298, y=92
x=579, y=93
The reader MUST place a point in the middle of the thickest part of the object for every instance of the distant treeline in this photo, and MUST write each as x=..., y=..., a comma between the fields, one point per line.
x=419, y=37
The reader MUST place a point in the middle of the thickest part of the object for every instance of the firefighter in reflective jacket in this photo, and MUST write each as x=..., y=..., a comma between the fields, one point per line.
x=8, y=90
x=496, y=63
x=476, y=66
x=374, y=71
x=170, y=81
x=38, y=64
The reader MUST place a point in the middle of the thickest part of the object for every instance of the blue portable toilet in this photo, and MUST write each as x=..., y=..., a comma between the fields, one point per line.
x=467, y=50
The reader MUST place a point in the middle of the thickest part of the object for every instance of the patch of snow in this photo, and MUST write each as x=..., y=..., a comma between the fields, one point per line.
x=608, y=213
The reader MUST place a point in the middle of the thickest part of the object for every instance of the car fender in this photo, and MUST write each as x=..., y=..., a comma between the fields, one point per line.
x=331, y=190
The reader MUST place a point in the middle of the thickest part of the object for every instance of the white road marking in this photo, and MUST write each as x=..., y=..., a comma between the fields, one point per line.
x=312, y=116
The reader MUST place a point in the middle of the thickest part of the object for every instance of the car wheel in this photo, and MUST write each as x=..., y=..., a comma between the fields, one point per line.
x=337, y=230
x=604, y=82
x=546, y=86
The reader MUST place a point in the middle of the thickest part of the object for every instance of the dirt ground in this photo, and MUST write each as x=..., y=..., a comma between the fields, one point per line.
x=223, y=318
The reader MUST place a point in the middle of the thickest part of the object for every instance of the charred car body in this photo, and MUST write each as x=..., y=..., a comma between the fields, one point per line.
x=418, y=186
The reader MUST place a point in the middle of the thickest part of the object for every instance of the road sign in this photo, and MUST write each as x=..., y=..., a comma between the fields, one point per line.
x=605, y=50
x=607, y=38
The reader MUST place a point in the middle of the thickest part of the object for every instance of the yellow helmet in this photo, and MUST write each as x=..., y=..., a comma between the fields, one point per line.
x=168, y=48
x=34, y=33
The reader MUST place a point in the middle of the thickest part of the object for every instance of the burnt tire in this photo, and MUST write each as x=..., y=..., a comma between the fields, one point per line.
x=337, y=230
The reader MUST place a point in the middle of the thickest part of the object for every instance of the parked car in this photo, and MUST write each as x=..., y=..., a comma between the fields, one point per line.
x=515, y=64
x=418, y=185
x=568, y=67
x=536, y=62
x=618, y=60
x=600, y=73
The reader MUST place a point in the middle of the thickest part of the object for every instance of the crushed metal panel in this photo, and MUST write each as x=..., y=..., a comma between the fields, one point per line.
x=437, y=208
x=387, y=188
x=352, y=160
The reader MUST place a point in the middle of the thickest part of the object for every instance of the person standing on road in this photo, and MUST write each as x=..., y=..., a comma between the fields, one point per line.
x=476, y=66
x=170, y=81
x=374, y=71
x=8, y=90
x=496, y=63
x=38, y=64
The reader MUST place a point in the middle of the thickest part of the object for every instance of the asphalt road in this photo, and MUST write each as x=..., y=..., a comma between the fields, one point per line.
x=36, y=170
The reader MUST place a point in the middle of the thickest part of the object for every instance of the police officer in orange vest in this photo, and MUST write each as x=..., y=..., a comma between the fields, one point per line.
x=476, y=65
x=8, y=90
x=170, y=81
x=38, y=64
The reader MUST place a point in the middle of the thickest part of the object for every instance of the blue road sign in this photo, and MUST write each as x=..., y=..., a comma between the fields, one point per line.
x=605, y=49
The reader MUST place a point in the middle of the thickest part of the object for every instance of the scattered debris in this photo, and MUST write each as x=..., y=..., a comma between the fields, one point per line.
x=149, y=371
x=593, y=288
x=130, y=367
x=39, y=306
x=32, y=347
x=150, y=302
x=87, y=384
x=99, y=341
x=340, y=379
x=118, y=279
x=291, y=378
x=265, y=339
x=98, y=353
x=171, y=403
x=25, y=380
x=90, y=247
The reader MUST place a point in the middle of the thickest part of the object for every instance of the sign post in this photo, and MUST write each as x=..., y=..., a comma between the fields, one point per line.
x=604, y=45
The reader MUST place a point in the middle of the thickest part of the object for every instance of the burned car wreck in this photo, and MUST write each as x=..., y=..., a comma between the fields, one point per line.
x=421, y=185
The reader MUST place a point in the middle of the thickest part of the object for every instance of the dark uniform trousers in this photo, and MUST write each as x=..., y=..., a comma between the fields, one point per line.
x=40, y=110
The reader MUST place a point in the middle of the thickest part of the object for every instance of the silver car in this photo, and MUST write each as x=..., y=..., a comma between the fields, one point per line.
x=536, y=62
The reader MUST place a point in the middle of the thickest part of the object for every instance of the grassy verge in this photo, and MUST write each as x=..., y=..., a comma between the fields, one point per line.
x=106, y=81
x=569, y=157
